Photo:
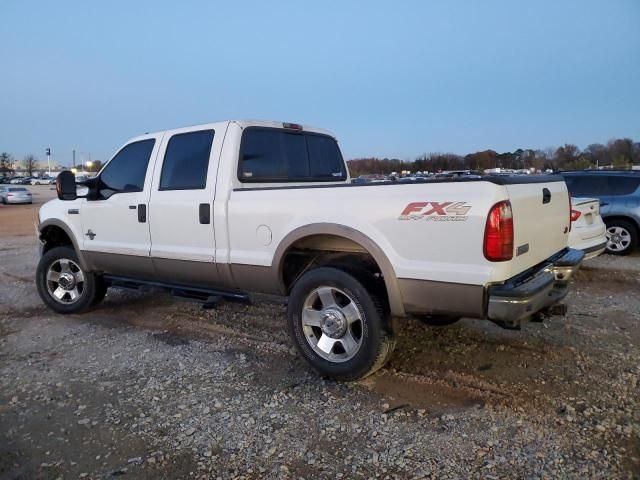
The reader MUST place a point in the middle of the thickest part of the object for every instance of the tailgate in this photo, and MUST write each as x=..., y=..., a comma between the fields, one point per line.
x=540, y=222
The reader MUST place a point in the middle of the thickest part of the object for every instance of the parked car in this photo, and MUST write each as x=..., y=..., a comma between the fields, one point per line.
x=588, y=231
x=41, y=181
x=17, y=180
x=14, y=195
x=225, y=209
x=619, y=194
x=5, y=180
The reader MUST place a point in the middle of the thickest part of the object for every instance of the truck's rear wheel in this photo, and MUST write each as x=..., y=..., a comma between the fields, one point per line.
x=337, y=325
x=62, y=284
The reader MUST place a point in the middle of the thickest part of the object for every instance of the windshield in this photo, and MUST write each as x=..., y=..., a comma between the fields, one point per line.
x=17, y=189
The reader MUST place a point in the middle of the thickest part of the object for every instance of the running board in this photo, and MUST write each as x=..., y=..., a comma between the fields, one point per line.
x=210, y=297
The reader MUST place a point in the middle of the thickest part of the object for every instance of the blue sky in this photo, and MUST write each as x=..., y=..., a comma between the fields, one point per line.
x=393, y=79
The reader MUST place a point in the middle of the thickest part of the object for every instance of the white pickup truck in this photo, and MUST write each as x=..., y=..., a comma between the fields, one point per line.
x=225, y=209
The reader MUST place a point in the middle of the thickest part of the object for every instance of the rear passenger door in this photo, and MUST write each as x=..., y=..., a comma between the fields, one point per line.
x=181, y=206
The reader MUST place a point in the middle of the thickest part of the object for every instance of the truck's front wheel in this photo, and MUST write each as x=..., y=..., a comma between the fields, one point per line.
x=62, y=284
x=338, y=326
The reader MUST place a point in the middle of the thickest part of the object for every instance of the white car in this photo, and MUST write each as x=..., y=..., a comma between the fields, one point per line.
x=226, y=209
x=588, y=231
x=9, y=194
x=42, y=181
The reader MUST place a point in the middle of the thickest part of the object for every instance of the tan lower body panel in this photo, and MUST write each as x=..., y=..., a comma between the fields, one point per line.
x=125, y=265
x=418, y=296
x=250, y=278
x=428, y=297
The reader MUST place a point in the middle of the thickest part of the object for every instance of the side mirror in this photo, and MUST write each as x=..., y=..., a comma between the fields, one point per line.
x=66, y=185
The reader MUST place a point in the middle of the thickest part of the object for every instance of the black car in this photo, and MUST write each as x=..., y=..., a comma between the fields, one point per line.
x=619, y=195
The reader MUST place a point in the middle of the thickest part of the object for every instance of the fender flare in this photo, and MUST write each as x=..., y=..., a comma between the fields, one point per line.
x=54, y=222
x=396, y=304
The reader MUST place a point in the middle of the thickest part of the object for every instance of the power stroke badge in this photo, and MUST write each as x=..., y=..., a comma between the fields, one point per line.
x=436, y=211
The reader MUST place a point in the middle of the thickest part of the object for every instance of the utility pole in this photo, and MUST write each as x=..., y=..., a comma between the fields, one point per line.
x=74, y=159
x=49, y=161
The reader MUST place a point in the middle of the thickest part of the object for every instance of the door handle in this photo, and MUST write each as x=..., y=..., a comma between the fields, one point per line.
x=546, y=195
x=142, y=212
x=603, y=204
x=204, y=213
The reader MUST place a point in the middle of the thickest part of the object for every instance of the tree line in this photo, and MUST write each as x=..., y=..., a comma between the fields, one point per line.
x=30, y=165
x=617, y=153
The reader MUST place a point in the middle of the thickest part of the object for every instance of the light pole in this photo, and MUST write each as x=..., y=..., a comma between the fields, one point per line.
x=49, y=161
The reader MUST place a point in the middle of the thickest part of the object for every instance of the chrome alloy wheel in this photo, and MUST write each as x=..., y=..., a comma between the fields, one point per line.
x=332, y=324
x=618, y=239
x=65, y=281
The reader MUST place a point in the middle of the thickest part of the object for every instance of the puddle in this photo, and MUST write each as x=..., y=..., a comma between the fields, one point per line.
x=170, y=339
x=405, y=392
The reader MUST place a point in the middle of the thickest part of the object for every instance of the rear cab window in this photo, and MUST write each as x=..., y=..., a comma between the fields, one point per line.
x=273, y=155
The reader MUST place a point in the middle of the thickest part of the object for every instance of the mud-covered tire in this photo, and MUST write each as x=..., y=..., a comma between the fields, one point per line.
x=85, y=288
x=371, y=330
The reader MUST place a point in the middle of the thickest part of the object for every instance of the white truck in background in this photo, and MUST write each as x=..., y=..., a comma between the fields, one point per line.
x=226, y=209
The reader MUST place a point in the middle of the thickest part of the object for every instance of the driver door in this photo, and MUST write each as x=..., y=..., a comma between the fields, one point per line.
x=115, y=224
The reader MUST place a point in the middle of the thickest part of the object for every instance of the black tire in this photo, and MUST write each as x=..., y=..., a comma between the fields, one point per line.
x=87, y=292
x=439, y=320
x=621, y=225
x=376, y=341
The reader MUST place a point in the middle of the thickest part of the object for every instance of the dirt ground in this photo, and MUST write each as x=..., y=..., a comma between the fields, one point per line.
x=148, y=386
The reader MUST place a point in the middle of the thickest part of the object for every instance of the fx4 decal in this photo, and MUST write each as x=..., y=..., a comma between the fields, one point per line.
x=436, y=211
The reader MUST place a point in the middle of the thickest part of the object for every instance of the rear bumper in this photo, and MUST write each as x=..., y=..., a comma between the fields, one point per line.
x=594, y=251
x=519, y=298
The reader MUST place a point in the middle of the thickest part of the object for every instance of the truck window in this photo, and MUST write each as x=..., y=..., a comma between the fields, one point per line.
x=127, y=170
x=186, y=161
x=325, y=160
x=276, y=155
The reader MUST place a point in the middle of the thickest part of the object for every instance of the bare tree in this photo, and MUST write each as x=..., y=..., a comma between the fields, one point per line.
x=6, y=164
x=30, y=164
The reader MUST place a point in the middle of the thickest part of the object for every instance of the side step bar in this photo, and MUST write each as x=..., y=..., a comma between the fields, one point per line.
x=208, y=296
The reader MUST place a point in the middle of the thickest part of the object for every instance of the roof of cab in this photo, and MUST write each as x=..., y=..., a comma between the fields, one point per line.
x=244, y=124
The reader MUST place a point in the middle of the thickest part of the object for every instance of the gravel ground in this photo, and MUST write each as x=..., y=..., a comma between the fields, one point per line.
x=147, y=386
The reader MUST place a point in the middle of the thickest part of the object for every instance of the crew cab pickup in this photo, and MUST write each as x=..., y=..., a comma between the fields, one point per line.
x=224, y=210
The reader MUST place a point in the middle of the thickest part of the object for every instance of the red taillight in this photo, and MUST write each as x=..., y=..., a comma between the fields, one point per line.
x=498, y=233
x=292, y=126
x=575, y=214
x=570, y=211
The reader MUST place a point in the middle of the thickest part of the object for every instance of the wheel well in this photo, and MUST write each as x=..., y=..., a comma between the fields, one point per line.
x=54, y=236
x=333, y=251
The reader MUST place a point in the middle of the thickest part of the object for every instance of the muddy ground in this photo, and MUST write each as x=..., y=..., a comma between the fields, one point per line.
x=147, y=386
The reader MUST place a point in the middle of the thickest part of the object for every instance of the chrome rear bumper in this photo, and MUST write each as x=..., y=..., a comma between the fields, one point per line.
x=521, y=297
